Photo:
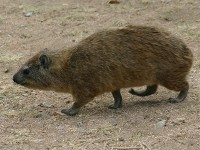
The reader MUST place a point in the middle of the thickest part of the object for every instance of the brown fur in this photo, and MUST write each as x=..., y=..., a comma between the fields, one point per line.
x=110, y=60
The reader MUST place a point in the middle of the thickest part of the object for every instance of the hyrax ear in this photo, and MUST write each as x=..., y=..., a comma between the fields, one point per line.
x=45, y=61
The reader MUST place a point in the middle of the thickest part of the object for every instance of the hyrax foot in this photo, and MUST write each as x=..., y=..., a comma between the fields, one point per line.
x=182, y=95
x=117, y=100
x=70, y=112
x=174, y=100
x=113, y=106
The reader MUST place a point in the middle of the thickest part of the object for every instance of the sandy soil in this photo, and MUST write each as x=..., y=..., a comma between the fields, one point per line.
x=32, y=120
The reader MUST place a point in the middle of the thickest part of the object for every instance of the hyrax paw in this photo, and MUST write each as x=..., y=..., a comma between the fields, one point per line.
x=114, y=106
x=70, y=112
x=174, y=100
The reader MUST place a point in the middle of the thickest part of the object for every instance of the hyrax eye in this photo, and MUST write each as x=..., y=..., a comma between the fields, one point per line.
x=26, y=71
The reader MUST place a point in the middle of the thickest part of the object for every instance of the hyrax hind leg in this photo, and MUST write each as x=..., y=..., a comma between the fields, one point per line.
x=181, y=86
x=117, y=100
x=149, y=91
x=76, y=106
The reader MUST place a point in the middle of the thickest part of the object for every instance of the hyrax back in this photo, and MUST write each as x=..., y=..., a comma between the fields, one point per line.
x=110, y=60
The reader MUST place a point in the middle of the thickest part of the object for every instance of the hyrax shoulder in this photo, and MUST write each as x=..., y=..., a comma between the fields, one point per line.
x=110, y=60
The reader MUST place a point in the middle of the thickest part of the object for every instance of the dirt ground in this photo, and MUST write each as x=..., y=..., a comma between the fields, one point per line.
x=31, y=119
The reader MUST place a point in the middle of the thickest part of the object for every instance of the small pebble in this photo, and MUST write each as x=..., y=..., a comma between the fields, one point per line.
x=25, y=94
x=46, y=105
x=181, y=120
x=6, y=70
x=161, y=123
x=29, y=14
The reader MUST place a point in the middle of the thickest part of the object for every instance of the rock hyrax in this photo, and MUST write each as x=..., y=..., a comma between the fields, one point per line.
x=109, y=60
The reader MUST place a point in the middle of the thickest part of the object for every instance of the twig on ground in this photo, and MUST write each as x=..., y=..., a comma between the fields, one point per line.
x=127, y=148
x=144, y=146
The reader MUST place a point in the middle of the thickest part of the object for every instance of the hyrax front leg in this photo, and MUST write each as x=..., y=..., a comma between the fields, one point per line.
x=76, y=106
x=117, y=100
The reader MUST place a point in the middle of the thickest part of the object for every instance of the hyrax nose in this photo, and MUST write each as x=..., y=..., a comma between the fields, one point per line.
x=16, y=79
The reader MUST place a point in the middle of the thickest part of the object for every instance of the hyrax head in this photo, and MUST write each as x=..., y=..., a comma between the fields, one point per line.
x=35, y=73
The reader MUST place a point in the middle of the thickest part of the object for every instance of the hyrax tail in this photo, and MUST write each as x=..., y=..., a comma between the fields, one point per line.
x=149, y=90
